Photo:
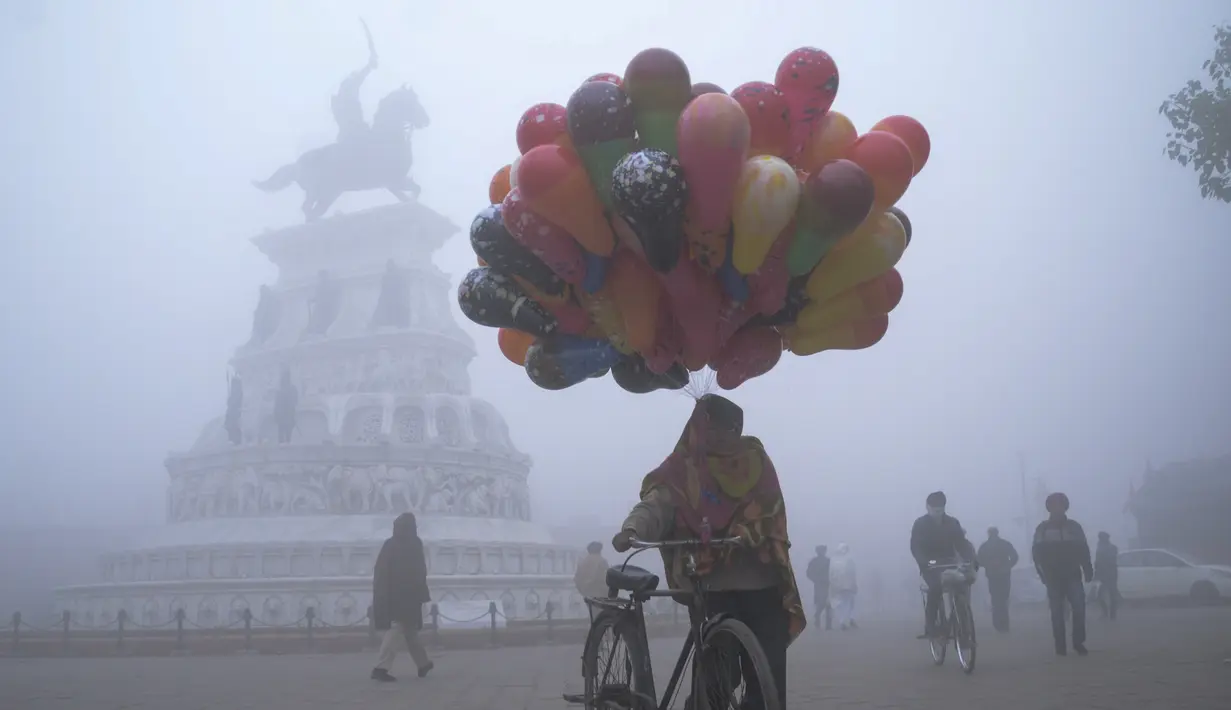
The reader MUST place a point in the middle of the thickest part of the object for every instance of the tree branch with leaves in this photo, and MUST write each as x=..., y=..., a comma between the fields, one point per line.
x=1200, y=117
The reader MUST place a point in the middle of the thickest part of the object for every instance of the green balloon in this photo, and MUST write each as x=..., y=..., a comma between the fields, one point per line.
x=600, y=159
x=807, y=250
x=656, y=128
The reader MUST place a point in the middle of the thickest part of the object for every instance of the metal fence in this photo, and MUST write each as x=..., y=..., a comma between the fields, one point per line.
x=69, y=636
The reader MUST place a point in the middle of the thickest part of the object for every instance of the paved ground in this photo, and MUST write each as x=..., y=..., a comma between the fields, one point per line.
x=1169, y=660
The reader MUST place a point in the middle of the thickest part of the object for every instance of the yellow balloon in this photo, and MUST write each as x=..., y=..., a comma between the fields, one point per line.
x=856, y=335
x=870, y=298
x=764, y=203
x=866, y=253
x=513, y=173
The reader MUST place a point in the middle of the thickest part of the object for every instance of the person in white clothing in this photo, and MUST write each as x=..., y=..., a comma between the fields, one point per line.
x=843, y=586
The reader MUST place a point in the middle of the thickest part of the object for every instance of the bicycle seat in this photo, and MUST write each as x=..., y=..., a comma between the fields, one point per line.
x=631, y=579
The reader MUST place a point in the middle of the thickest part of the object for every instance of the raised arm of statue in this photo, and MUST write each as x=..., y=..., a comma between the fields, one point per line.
x=347, y=109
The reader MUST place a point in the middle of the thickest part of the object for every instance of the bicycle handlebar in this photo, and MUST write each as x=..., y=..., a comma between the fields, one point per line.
x=933, y=564
x=637, y=544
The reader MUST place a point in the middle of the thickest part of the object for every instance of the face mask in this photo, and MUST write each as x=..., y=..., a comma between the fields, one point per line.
x=936, y=513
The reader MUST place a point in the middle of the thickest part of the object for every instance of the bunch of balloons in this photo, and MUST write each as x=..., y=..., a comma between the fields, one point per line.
x=652, y=227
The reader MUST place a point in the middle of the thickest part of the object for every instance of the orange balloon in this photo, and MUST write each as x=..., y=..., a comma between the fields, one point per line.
x=831, y=139
x=887, y=160
x=608, y=323
x=635, y=289
x=514, y=344
x=554, y=183
x=500, y=186
x=480, y=260
x=847, y=336
x=913, y=134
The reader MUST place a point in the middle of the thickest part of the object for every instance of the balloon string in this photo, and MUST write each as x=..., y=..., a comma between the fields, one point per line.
x=700, y=383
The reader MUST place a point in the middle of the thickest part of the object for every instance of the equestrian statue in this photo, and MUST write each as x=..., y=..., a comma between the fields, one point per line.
x=364, y=157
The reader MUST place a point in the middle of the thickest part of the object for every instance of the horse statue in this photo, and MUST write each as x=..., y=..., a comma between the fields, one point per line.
x=364, y=157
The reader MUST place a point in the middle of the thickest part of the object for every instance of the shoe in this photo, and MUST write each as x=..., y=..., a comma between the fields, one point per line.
x=382, y=675
x=1061, y=651
x=1080, y=648
x=423, y=671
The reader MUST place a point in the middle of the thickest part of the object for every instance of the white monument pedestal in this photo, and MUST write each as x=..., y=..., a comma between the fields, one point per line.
x=384, y=424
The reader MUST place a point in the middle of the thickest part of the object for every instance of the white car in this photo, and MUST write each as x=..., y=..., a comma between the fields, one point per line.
x=1158, y=574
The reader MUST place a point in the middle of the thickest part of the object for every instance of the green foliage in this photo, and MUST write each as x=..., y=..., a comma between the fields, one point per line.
x=1200, y=117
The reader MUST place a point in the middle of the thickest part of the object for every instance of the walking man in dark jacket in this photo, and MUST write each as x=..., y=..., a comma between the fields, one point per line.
x=1107, y=574
x=1062, y=558
x=818, y=574
x=399, y=591
x=998, y=558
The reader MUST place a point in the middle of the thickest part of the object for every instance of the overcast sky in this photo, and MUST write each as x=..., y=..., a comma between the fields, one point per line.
x=1064, y=288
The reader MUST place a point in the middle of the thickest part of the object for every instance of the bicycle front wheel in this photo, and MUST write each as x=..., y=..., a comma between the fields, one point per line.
x=612, y=663
x=732, y=659
x=964, y=636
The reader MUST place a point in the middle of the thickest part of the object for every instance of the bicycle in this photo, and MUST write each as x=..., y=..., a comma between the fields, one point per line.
x=958, y=625
x=624, y=618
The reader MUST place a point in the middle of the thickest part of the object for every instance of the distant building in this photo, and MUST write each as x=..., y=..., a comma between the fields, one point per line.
x=1186, y=507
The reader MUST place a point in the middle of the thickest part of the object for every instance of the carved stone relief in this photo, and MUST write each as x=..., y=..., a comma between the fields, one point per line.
x=277, y=489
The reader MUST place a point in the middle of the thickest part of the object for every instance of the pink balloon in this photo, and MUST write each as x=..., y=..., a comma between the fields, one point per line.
x=551, y=244
x=750, y=353
x=696, y=302
x=713, y=136
x=732, y=317
x=768, y=285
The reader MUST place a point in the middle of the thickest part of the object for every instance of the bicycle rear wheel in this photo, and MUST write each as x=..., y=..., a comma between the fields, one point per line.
x=732, y=657
x=964, y=636
x=612, y=664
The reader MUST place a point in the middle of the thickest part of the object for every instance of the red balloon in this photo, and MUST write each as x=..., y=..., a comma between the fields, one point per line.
x=768, y=115
x=912, y=133
x=769, y=284
x=542, y=124
x=750, y=353
x=809, y=78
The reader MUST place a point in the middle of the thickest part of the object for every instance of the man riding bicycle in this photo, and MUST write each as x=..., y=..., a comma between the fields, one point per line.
x=937, y=537
x=719, y=483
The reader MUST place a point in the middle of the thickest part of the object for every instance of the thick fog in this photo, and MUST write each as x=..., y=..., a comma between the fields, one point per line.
x=1066, y=292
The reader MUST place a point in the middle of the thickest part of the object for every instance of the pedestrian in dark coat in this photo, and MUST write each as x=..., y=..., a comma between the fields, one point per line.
x=399, y=591
x=1061, y=556
x=818, y=574
x=998, y=558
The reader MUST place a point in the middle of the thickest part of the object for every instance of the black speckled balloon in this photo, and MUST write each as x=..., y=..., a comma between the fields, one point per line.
x=649, y=192
x=493, y=243
x=493, y=299
x=632, y=375
x=598, y=112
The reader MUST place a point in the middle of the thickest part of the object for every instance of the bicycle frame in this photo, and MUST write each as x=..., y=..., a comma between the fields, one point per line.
x=635, y=607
